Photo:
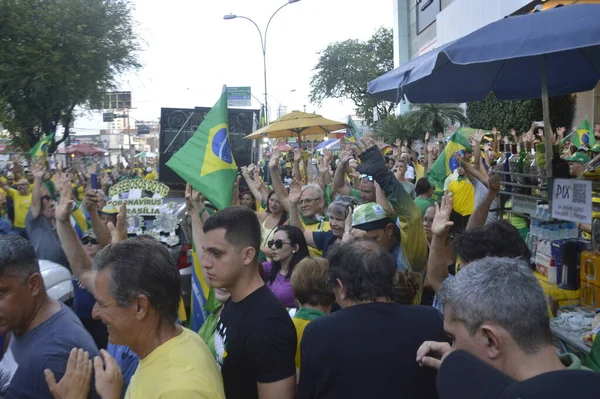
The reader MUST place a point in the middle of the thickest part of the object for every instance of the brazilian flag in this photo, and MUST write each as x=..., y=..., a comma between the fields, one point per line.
x=206, y=161
x=41, y=148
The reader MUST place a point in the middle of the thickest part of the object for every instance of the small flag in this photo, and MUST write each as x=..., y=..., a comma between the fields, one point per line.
x=446, y=163
x=40, y=150
x=352, y=132
x=583, y=136
x=206, y=160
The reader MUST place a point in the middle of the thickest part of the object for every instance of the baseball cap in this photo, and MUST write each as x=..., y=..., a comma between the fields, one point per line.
x=493, y=384
x=596, y=147
x=579, y=157
x=110, y=210
x=148, y=169
x=89, y=233
x=370, y=216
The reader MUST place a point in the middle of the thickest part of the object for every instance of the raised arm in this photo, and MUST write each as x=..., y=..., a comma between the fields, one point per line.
x=80, y=262
x=91, y=201
x=297, y=175
x=480, y=214
x=440, y=249
x=195, y=206
x=36, y=196
x=278, y=186
x=293, y=198
x=339, y=178
x=252, y=185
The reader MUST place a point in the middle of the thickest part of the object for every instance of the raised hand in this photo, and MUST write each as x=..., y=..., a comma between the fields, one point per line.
x=38, y=170
x=427, y=136
x=346, y=155
x=328, y=156
x=441, y=136
x=275, y=156
x=323, y=166
x=441, y=222
x=494, y=183
x=75, y=383
x=118, y=233
x=91, y=200
x=295, y=191
x=65, y=205
x=362, y=145
x=478, y=136
x=297, y=154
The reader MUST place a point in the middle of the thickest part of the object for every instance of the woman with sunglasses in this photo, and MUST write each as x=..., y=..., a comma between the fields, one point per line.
x=288, y=247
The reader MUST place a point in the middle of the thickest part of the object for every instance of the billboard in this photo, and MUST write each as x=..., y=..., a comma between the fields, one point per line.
x=172, y=120
x=239, y=97
x=113, y=100
x=427, y=11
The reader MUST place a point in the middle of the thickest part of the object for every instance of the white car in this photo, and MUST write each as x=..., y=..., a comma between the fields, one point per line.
x=57, y=280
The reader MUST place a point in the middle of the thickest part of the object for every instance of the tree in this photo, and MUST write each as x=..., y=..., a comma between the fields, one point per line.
x=519, y=114
x=345, y=68
x=56, y=55
x=394, y=127
x=436, y=117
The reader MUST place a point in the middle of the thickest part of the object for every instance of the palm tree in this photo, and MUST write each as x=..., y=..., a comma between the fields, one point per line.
x=436, y=117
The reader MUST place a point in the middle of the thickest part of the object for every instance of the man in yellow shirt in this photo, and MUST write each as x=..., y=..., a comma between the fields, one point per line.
x=150, y=174
x=22, y=201
x=137, y=289
x=463, y=200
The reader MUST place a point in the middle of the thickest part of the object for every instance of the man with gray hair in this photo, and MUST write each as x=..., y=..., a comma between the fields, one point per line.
x=43, y=330
x=496, y=310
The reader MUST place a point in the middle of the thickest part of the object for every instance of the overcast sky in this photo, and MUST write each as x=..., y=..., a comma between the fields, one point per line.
x=189, y=51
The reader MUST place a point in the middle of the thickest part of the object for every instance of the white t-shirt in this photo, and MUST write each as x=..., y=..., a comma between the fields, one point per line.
x=451, y=177
x=481, y=192
x=410, y=173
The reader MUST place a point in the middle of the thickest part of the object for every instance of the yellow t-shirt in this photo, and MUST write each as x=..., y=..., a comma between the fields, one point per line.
x=22, y=204
x=463, y=196
x=181, y=368
x=150, y=176
x=300, y=325
x=419, y=171
x=322, y=226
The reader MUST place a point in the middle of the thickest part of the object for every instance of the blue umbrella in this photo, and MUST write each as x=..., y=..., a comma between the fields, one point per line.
x=505, y=57
x=535, y=55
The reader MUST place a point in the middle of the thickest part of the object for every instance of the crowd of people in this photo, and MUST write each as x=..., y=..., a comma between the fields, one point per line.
x=350, y=276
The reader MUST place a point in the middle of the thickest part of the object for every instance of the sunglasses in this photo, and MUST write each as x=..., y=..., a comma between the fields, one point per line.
x=277, y=243
x=89, y=240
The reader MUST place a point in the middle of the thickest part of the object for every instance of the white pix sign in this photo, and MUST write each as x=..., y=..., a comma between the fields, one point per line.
x=572, y=200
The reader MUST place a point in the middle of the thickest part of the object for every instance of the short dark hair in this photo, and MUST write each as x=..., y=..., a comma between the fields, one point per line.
x=309, y=282
x=498, y=238
x=365, y=268
x=142, y=265
x=422, y=186
x=296, y=237
x=17, y=257
x=242, y=228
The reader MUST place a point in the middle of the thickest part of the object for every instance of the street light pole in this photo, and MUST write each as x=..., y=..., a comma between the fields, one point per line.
x=263, y=45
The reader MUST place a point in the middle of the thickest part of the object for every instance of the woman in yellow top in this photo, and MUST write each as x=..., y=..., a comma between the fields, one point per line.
x=313, y=297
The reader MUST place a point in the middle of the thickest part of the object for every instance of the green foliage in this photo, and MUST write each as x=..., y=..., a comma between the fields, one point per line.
x=435, y=118
x=56, y=55
x=421, y=118
x=345, y=68
x=519, y=114
x=394, y=127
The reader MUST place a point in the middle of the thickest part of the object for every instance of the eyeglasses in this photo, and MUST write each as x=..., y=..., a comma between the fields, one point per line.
x=369, y=178
x=278, y=243
x=308, y=201
x=89, y=240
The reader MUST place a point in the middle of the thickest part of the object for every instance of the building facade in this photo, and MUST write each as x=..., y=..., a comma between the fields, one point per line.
x=423, y=25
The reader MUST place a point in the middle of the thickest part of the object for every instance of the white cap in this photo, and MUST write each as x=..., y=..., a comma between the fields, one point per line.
x=149, y=169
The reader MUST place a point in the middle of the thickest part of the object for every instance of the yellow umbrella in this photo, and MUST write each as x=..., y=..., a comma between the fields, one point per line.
x=300, y=125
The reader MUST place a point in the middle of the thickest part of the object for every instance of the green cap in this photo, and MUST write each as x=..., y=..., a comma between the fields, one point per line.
x=596, y=147
x=370, y=216
x=579, y=157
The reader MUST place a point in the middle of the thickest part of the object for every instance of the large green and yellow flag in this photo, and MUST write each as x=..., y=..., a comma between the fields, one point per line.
x=446, y=163
x=583, y=136
x=206, y=160
x=41, y=148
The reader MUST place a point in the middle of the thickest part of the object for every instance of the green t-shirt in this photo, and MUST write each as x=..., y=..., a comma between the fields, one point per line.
x=572, y=362
x=423, y=204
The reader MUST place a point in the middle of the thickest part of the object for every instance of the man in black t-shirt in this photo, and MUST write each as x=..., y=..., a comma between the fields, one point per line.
x=367, y=349
x=255, y=340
